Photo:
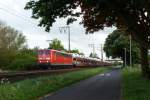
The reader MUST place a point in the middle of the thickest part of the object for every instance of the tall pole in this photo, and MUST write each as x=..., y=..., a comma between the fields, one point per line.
x=69, y=38
x=93, y=47
x=125, y=58
x=63, y=29
x=130, y=51
x=102, y=52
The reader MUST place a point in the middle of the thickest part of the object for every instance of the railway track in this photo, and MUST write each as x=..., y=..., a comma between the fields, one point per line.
x=17, y=76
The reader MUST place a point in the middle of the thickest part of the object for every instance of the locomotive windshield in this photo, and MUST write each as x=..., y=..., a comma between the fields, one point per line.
x=41, y=52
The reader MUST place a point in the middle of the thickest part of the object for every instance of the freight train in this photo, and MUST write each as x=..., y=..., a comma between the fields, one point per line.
x=49, y=58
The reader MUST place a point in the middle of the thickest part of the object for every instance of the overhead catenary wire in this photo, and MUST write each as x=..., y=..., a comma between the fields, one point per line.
x=7, y=11
x=8, y=15
x=11, y=11
x=7, y=6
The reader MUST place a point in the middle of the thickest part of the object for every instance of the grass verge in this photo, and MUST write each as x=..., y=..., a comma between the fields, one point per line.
x=31, y=89
x=135, y=87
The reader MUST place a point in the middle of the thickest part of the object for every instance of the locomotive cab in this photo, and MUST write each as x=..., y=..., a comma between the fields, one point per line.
x=54, y=59
x=44, y=58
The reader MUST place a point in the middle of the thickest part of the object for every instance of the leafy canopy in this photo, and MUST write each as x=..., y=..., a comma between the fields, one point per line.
x=11, y=41
x=131, y=15
x=115, y=44
x=56, y=44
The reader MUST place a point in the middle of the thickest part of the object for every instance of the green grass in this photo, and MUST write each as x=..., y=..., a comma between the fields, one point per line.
x=31, y=89
x=135, y=87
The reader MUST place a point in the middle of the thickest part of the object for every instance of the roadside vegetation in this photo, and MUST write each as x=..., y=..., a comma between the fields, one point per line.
x=24, y=61
x=14, y=53
x=32, y=89
x=135, y=87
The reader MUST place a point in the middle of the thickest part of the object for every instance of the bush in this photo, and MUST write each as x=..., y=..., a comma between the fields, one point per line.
x=117, y=63
x=25, y=62
x=134, y=86
x=6, y=58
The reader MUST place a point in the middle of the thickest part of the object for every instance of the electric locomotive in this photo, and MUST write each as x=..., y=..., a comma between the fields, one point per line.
x=49, y=58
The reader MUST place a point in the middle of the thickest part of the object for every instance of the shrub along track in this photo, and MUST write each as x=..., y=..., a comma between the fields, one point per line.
x=20, y=75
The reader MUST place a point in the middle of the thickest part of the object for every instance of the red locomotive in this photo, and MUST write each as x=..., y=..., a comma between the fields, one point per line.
x=54, y=58
x=50, y=58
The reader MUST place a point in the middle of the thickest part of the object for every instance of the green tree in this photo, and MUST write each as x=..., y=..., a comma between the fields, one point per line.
x=74, y=51
x=115, y=44
x=93, y=55
x=25, y=59
x=28, y=51
x=131, y=15
x=56, y=44
x=11, y=41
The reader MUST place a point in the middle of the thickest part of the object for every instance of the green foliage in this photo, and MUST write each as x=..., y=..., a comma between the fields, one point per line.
x=134, y=86
x=26, y=59
x=27, y=51
x=31, y=89
x=56, y=44
x=11, y=41
x=23, y=62
x=115, y=44
x=93, y=55
x=74, y=51
x=49, y=10
x=14, y=54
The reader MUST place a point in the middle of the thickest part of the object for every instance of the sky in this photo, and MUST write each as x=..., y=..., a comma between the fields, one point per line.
x=13, y=14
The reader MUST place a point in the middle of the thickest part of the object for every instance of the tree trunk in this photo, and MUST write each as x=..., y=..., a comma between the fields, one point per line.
x=144, y=62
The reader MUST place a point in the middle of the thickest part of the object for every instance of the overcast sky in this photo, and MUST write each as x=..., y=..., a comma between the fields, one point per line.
x=12, y=13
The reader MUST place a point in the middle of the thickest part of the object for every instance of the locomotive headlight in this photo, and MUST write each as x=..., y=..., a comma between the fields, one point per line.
x=47, y=61
x=47, y=58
